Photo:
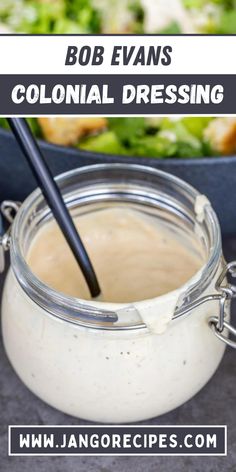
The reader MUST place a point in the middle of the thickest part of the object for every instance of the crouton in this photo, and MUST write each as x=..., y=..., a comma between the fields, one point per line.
x=67, y=131
x=221, y=134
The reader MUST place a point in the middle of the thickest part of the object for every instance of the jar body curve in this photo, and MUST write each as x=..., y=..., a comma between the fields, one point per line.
x=108, y=376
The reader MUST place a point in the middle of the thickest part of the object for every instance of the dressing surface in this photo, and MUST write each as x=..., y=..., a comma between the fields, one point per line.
x=134, y=257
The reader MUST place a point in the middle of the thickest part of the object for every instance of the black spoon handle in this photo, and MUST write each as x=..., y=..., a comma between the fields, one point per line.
x=52, y=194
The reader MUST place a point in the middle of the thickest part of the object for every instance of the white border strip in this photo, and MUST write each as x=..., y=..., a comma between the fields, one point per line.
x=200, y=54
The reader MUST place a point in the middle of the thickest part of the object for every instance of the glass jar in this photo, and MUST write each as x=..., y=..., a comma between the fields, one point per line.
x=110, y=362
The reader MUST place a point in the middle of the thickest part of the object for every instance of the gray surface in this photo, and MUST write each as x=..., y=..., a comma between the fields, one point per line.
x=215, y=404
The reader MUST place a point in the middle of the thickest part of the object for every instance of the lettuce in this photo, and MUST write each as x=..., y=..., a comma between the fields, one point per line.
x=153, y=146
x=196, y=125
x=172, y=28
x=106, y=142
x=188, y=143
x=3, y=123
x=85, y=16
x=199, y=4
x=34, y=125
x=220, y=15
x=127, y=128
x=227, y=23
x=160, y=138
x=165, y=138
x=60, y=16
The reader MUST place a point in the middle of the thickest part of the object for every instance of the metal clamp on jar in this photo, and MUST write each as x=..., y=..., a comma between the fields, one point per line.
x=111, y=362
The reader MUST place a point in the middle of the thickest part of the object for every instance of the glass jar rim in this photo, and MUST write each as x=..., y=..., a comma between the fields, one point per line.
x=90, y=313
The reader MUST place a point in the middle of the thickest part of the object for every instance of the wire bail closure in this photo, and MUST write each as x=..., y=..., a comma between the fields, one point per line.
x=8, y=208
x=228, y=292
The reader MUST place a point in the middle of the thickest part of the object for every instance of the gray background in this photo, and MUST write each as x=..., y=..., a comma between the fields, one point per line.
x=215, y=404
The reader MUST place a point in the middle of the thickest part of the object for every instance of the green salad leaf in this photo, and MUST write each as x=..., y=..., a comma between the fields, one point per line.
x=172, y=28
x=127, y=128
x=34, y=125
x=3, y=123
x=227, y=23
x=87, y=16
x=199, y=4
x=220, y=15
x=160, y=138
x=106, y=142
x=50, y=16
x=196, y=125
x=157, y=138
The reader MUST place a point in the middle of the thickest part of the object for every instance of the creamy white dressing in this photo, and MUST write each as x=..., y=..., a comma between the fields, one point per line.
x=134, y=257
x=117, y=375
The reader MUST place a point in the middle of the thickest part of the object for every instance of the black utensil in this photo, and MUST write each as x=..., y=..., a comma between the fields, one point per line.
x=54, y=199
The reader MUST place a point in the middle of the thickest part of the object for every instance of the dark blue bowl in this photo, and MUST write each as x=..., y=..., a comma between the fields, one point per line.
x=214, y=177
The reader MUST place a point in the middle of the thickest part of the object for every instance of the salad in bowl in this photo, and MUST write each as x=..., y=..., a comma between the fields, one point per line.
x=189, y=137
